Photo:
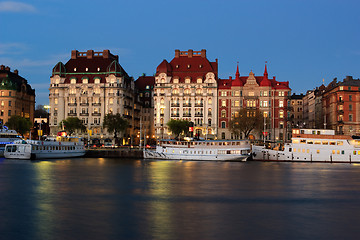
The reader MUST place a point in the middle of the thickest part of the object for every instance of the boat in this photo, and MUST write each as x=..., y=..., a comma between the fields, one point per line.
x=51, y=147
x=198, y=150
x=312, y=145
x=6, y=137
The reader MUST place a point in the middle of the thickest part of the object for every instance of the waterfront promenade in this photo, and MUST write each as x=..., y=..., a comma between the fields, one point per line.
x=125, y=152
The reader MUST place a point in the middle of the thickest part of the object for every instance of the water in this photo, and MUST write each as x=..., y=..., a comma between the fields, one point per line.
x=88, y=198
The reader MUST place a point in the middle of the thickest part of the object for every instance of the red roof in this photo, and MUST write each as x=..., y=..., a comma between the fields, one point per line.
x=144, y=81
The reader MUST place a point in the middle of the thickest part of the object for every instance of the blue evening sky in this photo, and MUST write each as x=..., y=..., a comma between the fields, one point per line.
x=303, y=41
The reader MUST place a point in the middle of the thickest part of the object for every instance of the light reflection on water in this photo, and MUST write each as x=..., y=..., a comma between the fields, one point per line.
x=135, y=199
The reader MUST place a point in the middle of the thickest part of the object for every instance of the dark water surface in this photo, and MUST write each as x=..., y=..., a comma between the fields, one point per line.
x=88, y=198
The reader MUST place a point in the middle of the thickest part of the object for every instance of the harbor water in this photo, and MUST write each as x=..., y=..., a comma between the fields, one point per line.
x=104, y=198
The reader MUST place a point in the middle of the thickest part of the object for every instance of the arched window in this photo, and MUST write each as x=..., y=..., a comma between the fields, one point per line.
x=187, y=91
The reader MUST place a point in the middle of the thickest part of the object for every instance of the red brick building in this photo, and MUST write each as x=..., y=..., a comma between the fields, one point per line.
x=255, y=92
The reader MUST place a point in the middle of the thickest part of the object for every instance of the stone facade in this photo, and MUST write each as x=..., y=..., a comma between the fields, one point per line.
x=89, y=86
x=186, y=88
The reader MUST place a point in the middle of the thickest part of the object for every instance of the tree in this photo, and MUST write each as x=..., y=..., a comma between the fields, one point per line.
x=71, y=124
x=115, y=123
x=247, y=121
x=19, y=124
x=40, y=112
x=178, y=127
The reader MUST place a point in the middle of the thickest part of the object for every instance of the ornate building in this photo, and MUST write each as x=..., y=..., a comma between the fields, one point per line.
x=16, y=96
x=341, y=106
x=186, y=88
x=255, y=92
x=89, y=86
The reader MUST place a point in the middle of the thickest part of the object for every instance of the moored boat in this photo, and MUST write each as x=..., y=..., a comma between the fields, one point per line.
x=312, y=145
x=57, y=147
x=207, y=150
x=7, y=136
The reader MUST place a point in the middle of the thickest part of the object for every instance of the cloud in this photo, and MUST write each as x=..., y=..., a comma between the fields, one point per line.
x=13, y=48
x=9, y=6
x=26, y=62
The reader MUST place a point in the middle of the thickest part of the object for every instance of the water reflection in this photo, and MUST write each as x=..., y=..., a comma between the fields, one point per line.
x=134, y=199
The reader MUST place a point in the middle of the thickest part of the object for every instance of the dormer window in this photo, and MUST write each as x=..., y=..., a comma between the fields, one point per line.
x=188, y=66
x=86, y=69
x=74, y=69
x=98, y=69
x=177, y=66
x=200, y=66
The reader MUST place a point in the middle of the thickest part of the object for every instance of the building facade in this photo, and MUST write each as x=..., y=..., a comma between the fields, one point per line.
x=297, y=111
x=145, y=88
x=186, y=88
x=255, y=92
x=89, y=86
x=341, y=106
x=16, y=96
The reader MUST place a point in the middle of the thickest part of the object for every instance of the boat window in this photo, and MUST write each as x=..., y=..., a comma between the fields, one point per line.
x=290, y=149
x=317, y=142
x=238, y=143
x=310, y=142
x=332, y=143
x=340, y=143
x=354, y=152
x=317, y=151
x=333, y=151
x=33, y=147
x=342, y=152
x=303, y=150
x=325, y=142
x=338, y=152
x=228, y=152
x=358, y=152
x=295, y=141
x=14, y=148
x=307, y=150
x=294, y=149
x=302, y=141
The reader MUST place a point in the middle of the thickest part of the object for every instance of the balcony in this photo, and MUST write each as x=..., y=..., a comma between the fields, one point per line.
x=175, y=105
x=72, y=114
x=340, y=111
x=187, y=105
x=96, y=104
x=187, y=115
x=340, y=122
x=96, y=114
x=199, y=115
x=175, y=115
x=84, y=114
x=199, y=104
x=84, y=104
x=72, y=104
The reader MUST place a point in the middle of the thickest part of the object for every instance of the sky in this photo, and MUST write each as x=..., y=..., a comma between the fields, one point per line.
x=303, y=41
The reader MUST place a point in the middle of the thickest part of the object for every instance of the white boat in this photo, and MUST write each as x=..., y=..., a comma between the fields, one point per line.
x=57, y=147
x=312, y=145
x=208, y=150
x=6, y=137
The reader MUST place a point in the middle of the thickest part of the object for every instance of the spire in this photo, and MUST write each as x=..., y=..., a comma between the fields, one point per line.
x=265, y=72
x=237, y=75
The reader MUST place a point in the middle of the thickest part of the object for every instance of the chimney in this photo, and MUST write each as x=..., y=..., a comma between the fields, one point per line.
x=190, y=53
x=230, y=77
x=177, y=53
x=74, y=54
x=203, y=53
x=2, y=67
x=106, y=53
x=90, y=54
x=16, y=72
x=7, y=68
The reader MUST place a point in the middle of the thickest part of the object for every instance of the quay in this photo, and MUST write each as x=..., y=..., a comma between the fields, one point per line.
x=114, y=153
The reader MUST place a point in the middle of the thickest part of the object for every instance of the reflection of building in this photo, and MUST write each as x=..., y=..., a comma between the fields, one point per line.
x=16, y=95
x=341, y=106
x=145, y=88
x=89, y=86
x=186, y=88
x=255, y=92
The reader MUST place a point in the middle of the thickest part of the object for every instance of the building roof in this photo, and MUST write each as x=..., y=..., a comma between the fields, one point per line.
x=90, y=64
x=188, y=64
x=144, y=81
x=13, y=81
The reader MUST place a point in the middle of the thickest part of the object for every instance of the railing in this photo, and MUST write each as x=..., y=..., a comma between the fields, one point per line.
x=199, y=115
x=72, y=114
x=175, y=115
x=84, y=114
x=96, y=104
x=175, y=104
x=96, y=114
x=187, y=115
x=84, y=104
x=199, y=104
x=72, y=104
x=187, y=105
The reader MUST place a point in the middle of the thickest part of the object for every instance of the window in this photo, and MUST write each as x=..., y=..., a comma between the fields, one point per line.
x=85, y=80
x=223, y=135
x=265, y=93
x=187, y=80
x=56, y=101
x=237, y=103
x=350, y=117
x=199, y=80
x=223, y=93
x=9, y=103
x=223, y=103
x=281, y=103
x=265, y=103
x=350, y=98
x=73, y=81
x=281, y=93
x=223, y=113
x=9, y=113
x=350, y=107
x=281, y=114
x=97, y=80
x=2, y=103
x=237, y=94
